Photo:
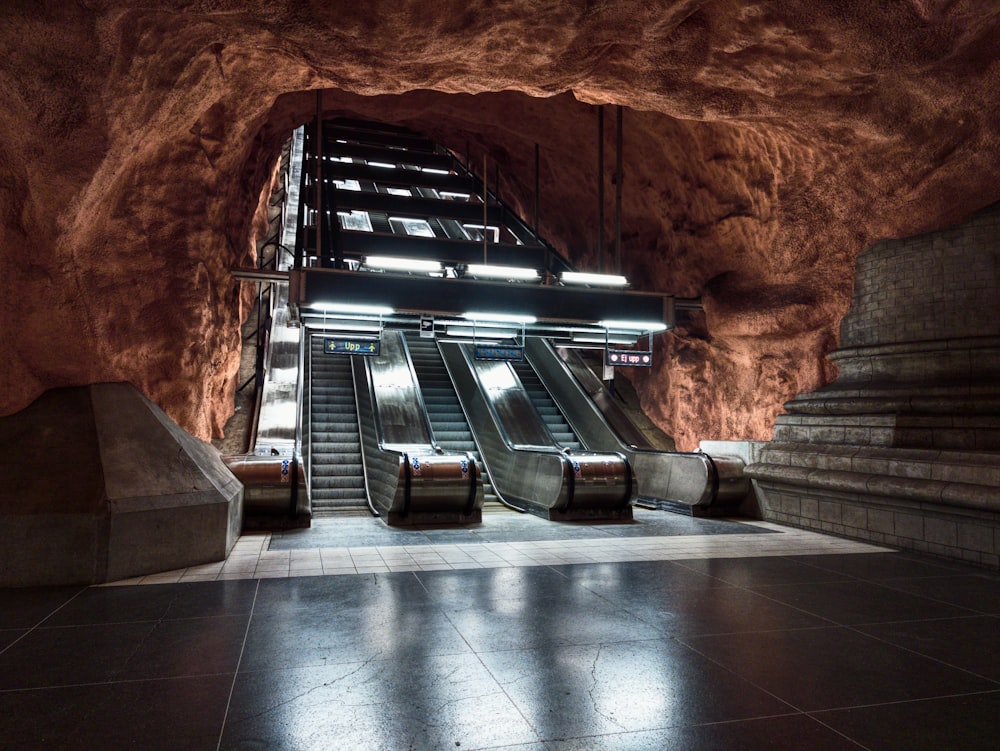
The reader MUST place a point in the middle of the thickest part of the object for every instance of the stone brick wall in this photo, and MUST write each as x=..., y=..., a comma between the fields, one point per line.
x=903, y=448
x=940, y=285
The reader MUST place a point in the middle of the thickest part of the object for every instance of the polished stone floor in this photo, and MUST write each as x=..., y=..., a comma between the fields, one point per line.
x=820, y=647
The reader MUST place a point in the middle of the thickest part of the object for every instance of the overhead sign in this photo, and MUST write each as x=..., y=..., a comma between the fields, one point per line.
x=426, y=327
x=346, y=346
x=499, y=352
x=630, y=358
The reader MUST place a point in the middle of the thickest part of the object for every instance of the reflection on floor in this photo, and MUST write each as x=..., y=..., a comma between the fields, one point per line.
x=741, y=646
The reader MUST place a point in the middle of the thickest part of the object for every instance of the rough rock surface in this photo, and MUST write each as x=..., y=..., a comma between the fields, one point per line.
x=766, y=144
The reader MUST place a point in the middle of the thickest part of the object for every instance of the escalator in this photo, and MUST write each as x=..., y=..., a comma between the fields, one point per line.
x=529, y=469
x=338, y=480
x=547, y=409
x=371, y=444
x=686, y=482
x=451, y=429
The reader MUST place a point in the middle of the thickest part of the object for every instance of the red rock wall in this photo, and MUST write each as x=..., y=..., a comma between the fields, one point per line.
x=766, y=144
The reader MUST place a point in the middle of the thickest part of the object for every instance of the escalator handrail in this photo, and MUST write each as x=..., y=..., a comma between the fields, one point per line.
x=419, y=396
x=361, y=377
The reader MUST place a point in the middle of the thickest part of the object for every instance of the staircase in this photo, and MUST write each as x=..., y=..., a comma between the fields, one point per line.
x=451, y=429
x=338, y=480
x=561, y=432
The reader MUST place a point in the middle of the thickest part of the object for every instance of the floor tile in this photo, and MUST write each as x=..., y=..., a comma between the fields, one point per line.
x=71, y=655
x=543, y=622
x=879, y=566
x=24, y=608
x=834, y=667
x=339, y=634
x=762, y=571
x=280, y=595
x=969, y=723
x=181, y=600
x=855, y=602
x=599, y=689
x=187, y=647
x=491, y=584
x=425, y=702
x=717, y=610
x=172, y=715
x=977, y=592
x=972, y=644
x=785, y=733
x=9, y=636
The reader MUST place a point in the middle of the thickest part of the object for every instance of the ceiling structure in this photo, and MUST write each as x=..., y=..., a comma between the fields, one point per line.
x=765, y=146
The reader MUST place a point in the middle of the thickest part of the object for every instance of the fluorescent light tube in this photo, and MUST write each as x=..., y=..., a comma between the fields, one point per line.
x=501, y=272
x=465, y=332
x=500, y=317
x=392, y=263
x=354, y=308
x=645, y=326
x=593, y=280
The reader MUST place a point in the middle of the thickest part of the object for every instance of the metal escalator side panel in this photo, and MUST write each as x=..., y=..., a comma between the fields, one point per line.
x=534, y=479
x=576, y=400
x=613, y=416
x=384, y=471
x=400, y=414
x=409, y=478
x=684, y=478
x=517, y=416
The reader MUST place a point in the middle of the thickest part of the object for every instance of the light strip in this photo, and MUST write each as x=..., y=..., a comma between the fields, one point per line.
x=392, y=263
x=613, y=339
x=383, y=165
x=463, y=332
x=435, y=171
x=593, y=280
x=646, y=326
x=500, y=317
x=346, y=307
x=501, y=272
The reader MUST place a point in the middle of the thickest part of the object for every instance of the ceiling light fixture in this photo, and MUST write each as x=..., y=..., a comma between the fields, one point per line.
x=393, y=263
x=500, y=317
x=650, y=327
x=484, y=271
x=593, y=280
x=355, y=308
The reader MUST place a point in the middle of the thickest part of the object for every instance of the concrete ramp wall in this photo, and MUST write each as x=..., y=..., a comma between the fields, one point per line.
x=98, y=484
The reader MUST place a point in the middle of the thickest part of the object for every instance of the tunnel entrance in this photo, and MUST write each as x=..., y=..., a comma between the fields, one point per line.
x=425, y=349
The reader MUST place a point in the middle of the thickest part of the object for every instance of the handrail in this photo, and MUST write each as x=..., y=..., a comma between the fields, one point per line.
x=297, y=438
x=303, y=430
x=384, y=471
x=421, y=403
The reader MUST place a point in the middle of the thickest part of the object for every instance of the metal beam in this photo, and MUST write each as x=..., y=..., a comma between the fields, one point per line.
x=453, y=297
x=408, y=178
x=415, y=142
x=421, y=207
x=446, y=250
x=392, y=156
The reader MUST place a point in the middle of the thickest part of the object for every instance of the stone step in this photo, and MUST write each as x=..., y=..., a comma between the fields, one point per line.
x=973, y=468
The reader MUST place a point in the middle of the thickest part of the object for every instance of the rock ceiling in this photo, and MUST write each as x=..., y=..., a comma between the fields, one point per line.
x=766, y=144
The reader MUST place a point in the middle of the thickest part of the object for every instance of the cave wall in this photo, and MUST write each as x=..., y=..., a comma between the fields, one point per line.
x=765, y=145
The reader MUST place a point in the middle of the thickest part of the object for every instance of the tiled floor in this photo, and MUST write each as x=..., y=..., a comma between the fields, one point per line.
x=733, y=638
x=366, y=546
